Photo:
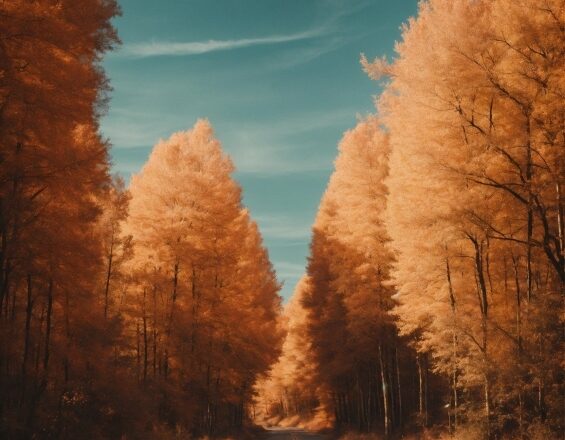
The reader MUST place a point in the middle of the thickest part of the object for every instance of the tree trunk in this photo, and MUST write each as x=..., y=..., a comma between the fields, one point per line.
x=108, y=276
x=155, y=330
x=454, y=336
x=194, y=326
x=398, y=383
x=422, y=389
x=145, y=342
x=385, y=394
x=487, y=406
x=138, y=351
x=560, y=222
x=530, y=216
x=48, y=325
x=169, y=327
x=29, y=309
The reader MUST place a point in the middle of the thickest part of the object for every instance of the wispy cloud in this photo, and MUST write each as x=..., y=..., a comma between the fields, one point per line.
x=277, y=227
x=303, y=55
x=288, y=270
x=186, y=48
x=279, y=147
x=170, y=48
x=270, y=159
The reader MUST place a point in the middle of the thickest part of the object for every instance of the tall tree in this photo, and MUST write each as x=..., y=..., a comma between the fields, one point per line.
x=53, y=168
x=475, y=206
x=353, y=338
x=205, y=291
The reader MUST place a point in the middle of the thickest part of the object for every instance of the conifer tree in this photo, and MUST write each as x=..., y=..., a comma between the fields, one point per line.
x=361, y=363
x=204, y=295
x=289, y=392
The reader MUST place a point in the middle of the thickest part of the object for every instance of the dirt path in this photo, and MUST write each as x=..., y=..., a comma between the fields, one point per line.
x=292, y=434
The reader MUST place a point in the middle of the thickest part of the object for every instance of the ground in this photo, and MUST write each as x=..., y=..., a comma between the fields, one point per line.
x=292, y=434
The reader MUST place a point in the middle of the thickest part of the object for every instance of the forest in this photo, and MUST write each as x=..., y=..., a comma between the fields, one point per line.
x=431, y=306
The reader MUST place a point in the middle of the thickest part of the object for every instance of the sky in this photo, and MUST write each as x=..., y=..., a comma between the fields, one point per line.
x=279, y=80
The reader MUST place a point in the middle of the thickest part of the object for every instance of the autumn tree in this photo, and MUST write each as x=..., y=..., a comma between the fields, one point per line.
x=475, y=209
x=204, y=294
x=117, y=246
x=53, y=168
x=288, y=393
x=362, y=364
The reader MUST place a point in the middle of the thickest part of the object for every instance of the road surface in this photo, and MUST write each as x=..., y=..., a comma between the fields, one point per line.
x=292, y=434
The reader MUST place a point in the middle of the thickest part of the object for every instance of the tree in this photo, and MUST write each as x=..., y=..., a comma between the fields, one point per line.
x=289, y=390
x=204, y=294
x=361, y=362
x=117, y=247
x=475, y=205
x=53, y=167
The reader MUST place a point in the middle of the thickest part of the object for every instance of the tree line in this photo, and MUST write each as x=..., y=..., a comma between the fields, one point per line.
x=435, y=282
x=139, y=312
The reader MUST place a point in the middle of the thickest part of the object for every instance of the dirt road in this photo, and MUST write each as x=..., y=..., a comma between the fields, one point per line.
x=292, y=434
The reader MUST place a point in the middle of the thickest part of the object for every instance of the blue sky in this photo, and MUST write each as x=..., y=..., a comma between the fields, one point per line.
x=279, y=80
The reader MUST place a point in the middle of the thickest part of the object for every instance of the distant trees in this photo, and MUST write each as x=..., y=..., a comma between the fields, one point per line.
x=362, y=371
x=290, y=391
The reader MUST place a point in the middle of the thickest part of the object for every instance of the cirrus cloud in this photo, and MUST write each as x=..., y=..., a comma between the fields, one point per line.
x=169, y=48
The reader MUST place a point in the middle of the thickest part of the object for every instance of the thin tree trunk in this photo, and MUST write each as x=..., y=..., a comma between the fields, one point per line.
x=398, y=383
x=194, y=329
x=385, y=394
x=5, y=282
x=67, y=311
x=37, y=355
x=426, y=381
x=14, y=299
x=390, y=376
x=484, y=306
x=541, y=384
x=3, y=257
x=138, y=351
x=145, y=342
x=560, y=221
x=174, y=294
x=454, y=384
x=453, y=304
x=48, y=326
x=487, y=405
x=154, y=330
x=29, y=309
x=518, y=306
x=530, y=216
x=108, y=276
x=422, y=388
x=169, y=326
x=520, y=412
